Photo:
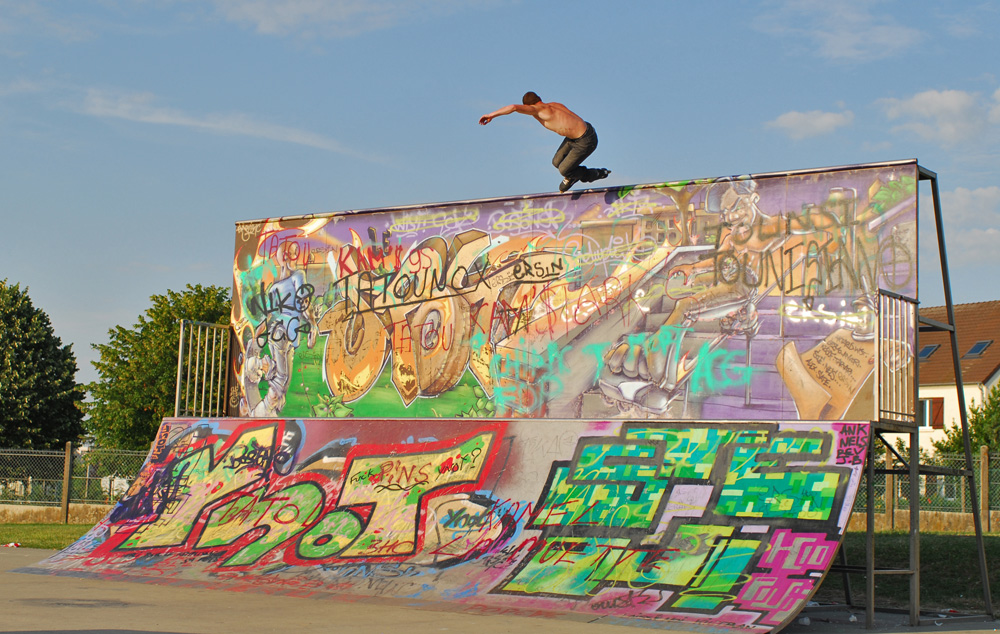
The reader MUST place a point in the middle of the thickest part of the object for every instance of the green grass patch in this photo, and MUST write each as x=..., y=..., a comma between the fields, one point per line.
x=54, y=536
x=949, y=571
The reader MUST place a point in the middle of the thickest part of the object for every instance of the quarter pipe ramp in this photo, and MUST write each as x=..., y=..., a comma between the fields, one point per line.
x=701, y=527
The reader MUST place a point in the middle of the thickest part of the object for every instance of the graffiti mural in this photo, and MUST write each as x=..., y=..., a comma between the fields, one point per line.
x=649, y=405
x=746, y=298
x=697, y=526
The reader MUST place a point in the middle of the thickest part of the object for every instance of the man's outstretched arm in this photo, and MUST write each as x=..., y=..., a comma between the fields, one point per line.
x=514, y=107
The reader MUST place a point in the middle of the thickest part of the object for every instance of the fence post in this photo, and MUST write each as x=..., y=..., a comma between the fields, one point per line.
x=890, y=501
x=984, y=486
x=67, y=472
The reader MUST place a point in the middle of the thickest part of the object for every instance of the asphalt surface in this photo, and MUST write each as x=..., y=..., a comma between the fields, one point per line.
x=44, y=603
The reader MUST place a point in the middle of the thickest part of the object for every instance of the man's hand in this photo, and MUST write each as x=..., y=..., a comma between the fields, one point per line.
x=483, y=120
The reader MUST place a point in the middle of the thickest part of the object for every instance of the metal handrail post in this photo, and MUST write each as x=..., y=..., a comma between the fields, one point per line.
x=870, y=534
x=180, y=362
x=963, y=414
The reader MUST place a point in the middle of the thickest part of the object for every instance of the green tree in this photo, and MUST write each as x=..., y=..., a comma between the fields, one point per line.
x=984, y=427
x=138, y=367
x=39, y=396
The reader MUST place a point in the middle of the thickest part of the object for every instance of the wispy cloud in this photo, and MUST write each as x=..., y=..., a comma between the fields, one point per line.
x=36, y=17
x=973, y=246
x=972, y=207
x=946, y=117
x=21, y=87
x=964, y=21
x=142, y=108
x=971, y=218
x=334, y=18
x=802, y=125
x=845, y=30
x=995, y=109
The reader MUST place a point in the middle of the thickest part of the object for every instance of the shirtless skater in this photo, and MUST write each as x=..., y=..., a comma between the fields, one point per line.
x=580, y=141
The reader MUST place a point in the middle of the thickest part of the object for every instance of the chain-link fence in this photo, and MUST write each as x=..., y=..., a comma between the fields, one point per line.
x=102, y=476
x=937, y=492
x=861, y=501
x=97, y=476
x=30, y=476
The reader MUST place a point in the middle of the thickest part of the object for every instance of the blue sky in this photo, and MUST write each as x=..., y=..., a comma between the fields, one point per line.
x=134, y=134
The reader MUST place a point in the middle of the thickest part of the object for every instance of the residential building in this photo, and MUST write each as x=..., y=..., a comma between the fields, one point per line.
x=978, y=329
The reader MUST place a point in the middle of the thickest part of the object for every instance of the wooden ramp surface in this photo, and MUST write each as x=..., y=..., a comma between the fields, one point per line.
x=684, y=526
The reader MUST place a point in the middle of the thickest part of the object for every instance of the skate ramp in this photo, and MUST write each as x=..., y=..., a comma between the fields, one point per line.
x=747, y=298
x=685, y=526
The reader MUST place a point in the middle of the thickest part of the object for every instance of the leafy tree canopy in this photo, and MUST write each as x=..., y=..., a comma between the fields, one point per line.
x=138, y=367
x=984, y=427
x=39, y=396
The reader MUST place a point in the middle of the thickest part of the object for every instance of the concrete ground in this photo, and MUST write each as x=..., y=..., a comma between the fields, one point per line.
x=37, y=603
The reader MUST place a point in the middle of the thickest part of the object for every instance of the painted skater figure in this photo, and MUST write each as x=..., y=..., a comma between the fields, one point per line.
x=580, y=141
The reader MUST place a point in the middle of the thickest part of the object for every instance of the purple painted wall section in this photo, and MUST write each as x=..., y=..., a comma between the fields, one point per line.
x=748, y=298
x=692, y=526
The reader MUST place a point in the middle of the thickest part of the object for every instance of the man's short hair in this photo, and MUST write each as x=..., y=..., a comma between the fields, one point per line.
x=530, y=99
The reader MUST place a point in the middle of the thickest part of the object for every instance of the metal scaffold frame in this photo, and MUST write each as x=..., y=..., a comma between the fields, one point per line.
x=890, y=421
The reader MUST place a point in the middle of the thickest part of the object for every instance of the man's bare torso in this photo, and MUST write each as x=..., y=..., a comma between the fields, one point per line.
x=560, y=119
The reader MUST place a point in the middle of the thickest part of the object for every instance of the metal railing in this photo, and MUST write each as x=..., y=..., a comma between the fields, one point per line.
x=202, y=354
x=896, y=374
x=940, y=492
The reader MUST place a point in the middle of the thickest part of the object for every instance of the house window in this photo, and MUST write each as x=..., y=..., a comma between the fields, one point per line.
x=927, y=351
x=977, y=349
x=931, y=413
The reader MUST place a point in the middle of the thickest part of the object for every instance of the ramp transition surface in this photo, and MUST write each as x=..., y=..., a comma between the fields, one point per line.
x=701, y=527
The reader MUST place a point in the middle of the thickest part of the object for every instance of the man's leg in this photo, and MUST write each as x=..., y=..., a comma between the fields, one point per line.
x=571, y=154
x=566, y=166
x=562, y=161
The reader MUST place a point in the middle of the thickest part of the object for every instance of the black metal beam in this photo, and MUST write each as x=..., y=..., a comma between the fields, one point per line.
x=932, y=325
x=963, y=414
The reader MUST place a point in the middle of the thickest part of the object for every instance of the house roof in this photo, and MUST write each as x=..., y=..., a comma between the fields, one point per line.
x=975, y=322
